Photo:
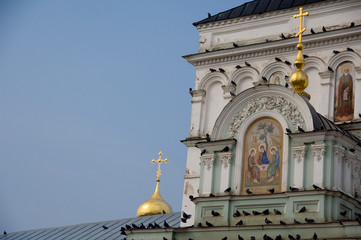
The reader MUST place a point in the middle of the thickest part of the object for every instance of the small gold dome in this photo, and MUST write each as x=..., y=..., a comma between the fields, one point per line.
x=154, y=205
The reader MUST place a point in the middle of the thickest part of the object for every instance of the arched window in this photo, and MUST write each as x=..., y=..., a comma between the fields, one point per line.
x=344, y=92
x=262, y=154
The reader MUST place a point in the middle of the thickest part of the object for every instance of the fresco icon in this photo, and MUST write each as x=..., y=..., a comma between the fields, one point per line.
x=344, y=92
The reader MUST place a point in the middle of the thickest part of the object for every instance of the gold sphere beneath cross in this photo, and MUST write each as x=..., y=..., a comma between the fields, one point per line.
x=299, y=82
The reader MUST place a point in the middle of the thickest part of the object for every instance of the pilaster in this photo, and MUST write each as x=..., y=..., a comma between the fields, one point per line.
x=207, y=160
x=196, y=115
x=318, y=152
x=349, y=158
x=299, y=158
x=326, y=93
x=226, y=160
x=339, y=153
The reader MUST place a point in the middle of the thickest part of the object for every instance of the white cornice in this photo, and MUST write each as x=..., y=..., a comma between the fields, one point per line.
x=256, y=51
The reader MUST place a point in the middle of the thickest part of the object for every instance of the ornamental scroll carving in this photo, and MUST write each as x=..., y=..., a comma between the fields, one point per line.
x=276, y=103
x=349, y=158
x=208, y=161
x=226, y=160
x=299, y=153
x=318, y=151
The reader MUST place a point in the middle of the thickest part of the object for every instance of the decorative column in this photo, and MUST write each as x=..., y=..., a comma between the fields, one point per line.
x=299, y=158
x=318, y=152
x=339, y=153
x=196, y=115
x=349, y=157
x=226, y=160
x=207, y=160
x=356, y=181
x=326, y=102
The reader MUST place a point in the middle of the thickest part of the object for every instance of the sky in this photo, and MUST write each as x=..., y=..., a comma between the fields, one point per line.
x=90, y=92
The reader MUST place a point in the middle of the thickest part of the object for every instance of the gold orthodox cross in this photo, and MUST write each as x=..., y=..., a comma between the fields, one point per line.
x=299, y=34
x=159, y=161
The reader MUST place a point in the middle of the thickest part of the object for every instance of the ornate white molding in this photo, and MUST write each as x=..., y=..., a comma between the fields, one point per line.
x=276, y=103
x=349, y=158
x=339, y=152
x=318, y=151
x=225, y=159
x=208, y=161
x=299, y=153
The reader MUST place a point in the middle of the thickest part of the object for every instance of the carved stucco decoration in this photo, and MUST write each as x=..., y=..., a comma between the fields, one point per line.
x=349, y=158
x=276, y=103
x=356, y=178
x=226, y=160
x=299, y=153
x=208, y=162
x=318, y=151
x=339, y=152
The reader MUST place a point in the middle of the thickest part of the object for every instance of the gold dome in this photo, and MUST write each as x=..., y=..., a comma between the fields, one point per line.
x=154, y=205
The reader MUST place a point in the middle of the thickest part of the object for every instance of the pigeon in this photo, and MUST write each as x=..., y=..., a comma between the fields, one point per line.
x=186, y=216
x=134, y=226
x=191, y=197
x=343, y=213
x=122, y=231
x=309, y=220
x=128, y=227
x=278, y=59
x=305, y=56
x=208, y=138
x=298, y=237
x=235, y=45
x=225, y=149
x=209, y=15
x=166, y=225
x=236, y=214
x=300, y=129
x=150, y=225
x=190, y=89
x=349, y=49
x=324, y=29
x=164, y=238
x=316, y=187
x=238, y=67
x=312, y=31
x=246, y=213
x=282, y=222
x=352, y=150
x=203, y=152
x=296, y=222
x=288, y=132
x=256, y=213
x=336, y=52
x=253, y=238
x=247, y=64
x=212, y=70
x=359, y=115
x=272, y=190
x=288, y=63
x=209, y=224
x=303, y=209
x=248, y=191
x=267, y=40
x=225, y=238
x=286, y=85
x=207, y=50
x=239, y=223
x=283, y=36
x=293, y=189
x=183, y=220
x=277, y=212
x=7, y=233
x=227, y=190
x=214, y=213
x=233, y=83
x=221, y=70
x=211, y=195
x=164, y=212
x=141, y=226
x=352, y=24
x=266, y=212
x=314, y=237
x=232, y=94
x=330, y=69
x=105, y=227
x=267, y=221
x=156, y=225
x=264, y=79
x=240, y=238
x=291, y=237
x=278, y=237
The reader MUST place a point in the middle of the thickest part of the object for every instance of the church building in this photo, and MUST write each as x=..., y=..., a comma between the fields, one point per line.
x=274, y=148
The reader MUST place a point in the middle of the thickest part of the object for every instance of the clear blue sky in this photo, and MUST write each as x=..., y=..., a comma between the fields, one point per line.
x=90, y=91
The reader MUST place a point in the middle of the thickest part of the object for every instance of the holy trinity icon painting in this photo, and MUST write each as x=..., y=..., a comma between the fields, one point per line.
x=262, y=157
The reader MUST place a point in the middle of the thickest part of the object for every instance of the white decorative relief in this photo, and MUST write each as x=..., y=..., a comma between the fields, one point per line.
x=339, y=152
x=318, y=151
x=276, y=103
x=299, y=153
x=349, y=158
x=226, y=159
x=208, y=161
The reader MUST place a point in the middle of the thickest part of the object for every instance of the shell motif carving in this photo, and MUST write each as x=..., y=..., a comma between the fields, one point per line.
x=276, y=103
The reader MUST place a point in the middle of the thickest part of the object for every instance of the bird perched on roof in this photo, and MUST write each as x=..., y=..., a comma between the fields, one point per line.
x=186, y=216
x=352, y=24
x=335, y=52
x=221, y=70
x=238, y=66
x=247, y=64
x=209, y=15
x=264, y=79
x=309, y=220
x=233, y=83
x=330, y=69
x=214, y=213
x=272, y=190
x=199, y=224
x=277, y=212
x=278, y=237
x=5, y=233
x=164, y=238
x=288, y=131
x=248, y=191
x=156, y=225
x=282, y=222
x=256, y=213
x=349, y=49
x=296, y=222
x=293, y=189
x=298, y=237
x=316, y=187
x=278, y=59
x=235, y=45
x=225, y=149
x=300, y=129
x=291, y=237
x=211, y=195
x=253, y=238
x=212, y=70
x=191, y=197
x=267, y=221
x=239, y=223
x=166, y=225
x=324, y=29
x=208, y=138
x=305, y=56
x=232, y=94
x=225, y=238
x=105, y=227
x=314, y=237
x=246, y=213
x=141, y=226
x=343, y=213
x=134, y=226
x=266, y=212
x=203, y=151
x=288, y=63
x=240, y=238
x=283, y=36
x=227, y=190
x=209, y=224
x=236, y=214
x=303, y=209
x=312, y=31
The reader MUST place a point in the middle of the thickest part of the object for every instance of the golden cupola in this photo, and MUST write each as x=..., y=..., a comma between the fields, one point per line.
x=299, y=79
x=155, y=204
